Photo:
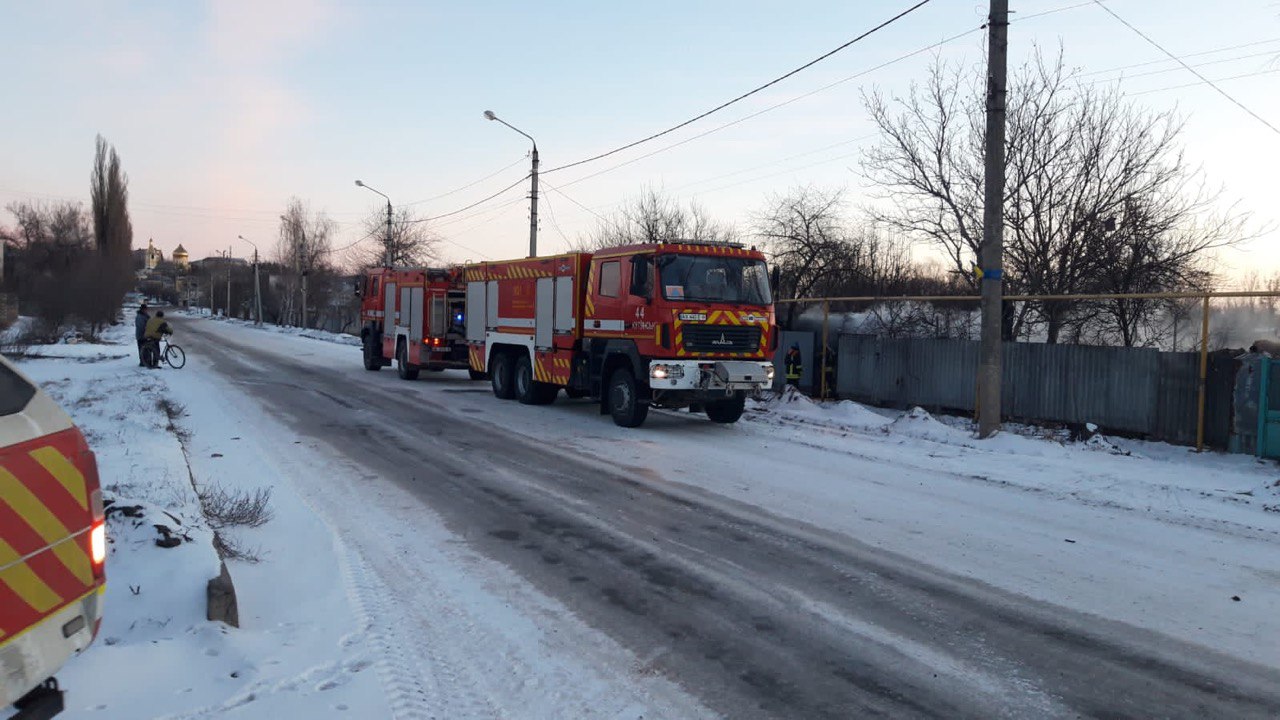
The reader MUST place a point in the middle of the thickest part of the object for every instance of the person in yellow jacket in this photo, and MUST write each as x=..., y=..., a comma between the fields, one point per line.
x=157, y=327
x=793, y=365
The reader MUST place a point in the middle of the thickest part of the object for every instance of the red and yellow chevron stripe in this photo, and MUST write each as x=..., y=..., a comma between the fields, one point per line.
x=720, y=317
x=46, y=515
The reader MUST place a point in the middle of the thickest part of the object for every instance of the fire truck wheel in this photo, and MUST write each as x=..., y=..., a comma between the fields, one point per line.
x=405, y=370
x=372, y=361
x=528, y=390
x=727, y=411
x=624, y=399
x=501, y=376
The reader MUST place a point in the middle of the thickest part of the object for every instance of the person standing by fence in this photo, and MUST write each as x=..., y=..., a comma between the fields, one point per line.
x=793, y=365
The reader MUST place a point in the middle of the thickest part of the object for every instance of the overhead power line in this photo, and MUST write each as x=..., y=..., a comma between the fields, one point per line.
x=1165, y=71
x=470, y=185
x=1194, y=84
x=776, y=106
x=745, y=95
x=1202, y=53
x=474, y=204
x=1190, y=69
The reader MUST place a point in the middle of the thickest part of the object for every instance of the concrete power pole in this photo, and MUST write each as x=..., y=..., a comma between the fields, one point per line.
x=992, y=259
x=387, y=254
x=257, y=290
x=533, y=207
x=228, y=282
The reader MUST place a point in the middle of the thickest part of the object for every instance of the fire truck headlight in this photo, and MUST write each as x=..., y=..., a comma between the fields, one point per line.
x=662, y=372
x=769, y=372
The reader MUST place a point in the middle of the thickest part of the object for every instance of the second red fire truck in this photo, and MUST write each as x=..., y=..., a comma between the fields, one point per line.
x=671, y=325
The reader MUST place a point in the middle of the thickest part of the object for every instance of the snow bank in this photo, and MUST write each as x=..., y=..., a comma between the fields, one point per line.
x=794, y=406
x=154, y=611
x=323, y=335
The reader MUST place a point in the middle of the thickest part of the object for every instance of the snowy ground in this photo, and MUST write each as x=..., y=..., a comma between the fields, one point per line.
x=321, y=635
x=1159, y=538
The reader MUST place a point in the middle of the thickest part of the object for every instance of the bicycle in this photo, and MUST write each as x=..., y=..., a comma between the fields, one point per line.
x=164, y=350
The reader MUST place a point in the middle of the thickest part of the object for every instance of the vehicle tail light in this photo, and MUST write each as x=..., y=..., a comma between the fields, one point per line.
x=98, y=545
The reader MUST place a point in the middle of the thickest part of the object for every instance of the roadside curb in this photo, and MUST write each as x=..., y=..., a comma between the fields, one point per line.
x=221, y=603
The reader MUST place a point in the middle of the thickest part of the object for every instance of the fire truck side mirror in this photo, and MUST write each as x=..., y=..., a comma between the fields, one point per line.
x=359, y=288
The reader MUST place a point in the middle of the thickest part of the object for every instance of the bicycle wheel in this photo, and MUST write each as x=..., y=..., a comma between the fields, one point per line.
x=175, y=357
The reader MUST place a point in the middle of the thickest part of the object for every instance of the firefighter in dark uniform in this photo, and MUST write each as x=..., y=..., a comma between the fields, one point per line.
x=793, y=365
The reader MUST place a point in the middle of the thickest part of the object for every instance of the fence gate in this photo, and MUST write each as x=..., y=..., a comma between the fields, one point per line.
x=1269, y=410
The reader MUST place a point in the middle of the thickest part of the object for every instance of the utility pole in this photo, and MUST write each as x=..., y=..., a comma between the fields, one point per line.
x=992, y=257
x=257, y=290
x=228, y=281
x=387, y=255
x=533, y=207
x=533, y=192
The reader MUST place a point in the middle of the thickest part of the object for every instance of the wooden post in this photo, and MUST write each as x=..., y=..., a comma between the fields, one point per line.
x=1204, y=372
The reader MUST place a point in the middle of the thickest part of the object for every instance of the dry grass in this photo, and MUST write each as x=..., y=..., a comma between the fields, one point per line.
x=235, y=508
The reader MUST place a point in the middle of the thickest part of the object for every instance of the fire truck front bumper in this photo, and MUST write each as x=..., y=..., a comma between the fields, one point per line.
x=711, y=375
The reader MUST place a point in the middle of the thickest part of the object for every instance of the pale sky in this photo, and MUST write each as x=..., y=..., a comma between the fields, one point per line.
x=222, y=111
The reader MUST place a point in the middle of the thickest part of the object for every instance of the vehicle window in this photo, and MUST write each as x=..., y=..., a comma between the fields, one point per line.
x=712, y=278
x=15, y=392
x=373, y=291
x=610, y=278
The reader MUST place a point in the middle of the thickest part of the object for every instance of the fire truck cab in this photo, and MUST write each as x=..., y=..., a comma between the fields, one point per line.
x=414, y=316
x=52, y=546
x=672, y=325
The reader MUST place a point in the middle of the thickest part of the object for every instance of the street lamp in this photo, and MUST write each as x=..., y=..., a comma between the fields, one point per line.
x=386, y=254
x=533, y=193
x=257, y=285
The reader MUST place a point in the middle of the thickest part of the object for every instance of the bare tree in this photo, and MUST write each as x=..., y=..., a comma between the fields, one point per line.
x=412, y=241
x=655, y=217
x=49, y=247
x=1081, y=159
x=817, y=251
x=303, y=249
x=109, y=194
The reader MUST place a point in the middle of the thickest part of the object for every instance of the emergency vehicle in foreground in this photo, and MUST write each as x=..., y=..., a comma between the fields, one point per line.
x=52, y=545
x=671, y=325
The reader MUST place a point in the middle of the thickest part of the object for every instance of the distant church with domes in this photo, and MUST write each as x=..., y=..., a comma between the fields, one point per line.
x=154, y=256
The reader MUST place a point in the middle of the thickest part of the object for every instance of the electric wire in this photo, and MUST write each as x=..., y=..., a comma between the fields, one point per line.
x=551, y=213
x=1196, y=84
x=771, y=108
x=474, y=204
x=1190, y=69
x=748, y=94
x=1190, y=55
x=1165, y=71
x=469, y=185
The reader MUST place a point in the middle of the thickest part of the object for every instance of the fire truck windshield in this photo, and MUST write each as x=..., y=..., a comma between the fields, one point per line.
x=711, y=278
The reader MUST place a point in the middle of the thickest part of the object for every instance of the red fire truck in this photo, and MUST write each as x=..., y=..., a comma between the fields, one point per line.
x=670, y=325
x=414, y=316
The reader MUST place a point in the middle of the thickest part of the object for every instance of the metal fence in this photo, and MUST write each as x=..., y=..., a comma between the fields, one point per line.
x=1136, y=391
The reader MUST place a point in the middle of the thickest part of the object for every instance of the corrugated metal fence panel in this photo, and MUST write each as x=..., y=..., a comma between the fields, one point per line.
x=1178, y=405
x=1137, y=390
x=906, y=372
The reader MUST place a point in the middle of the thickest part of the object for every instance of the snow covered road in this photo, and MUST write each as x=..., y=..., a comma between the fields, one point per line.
x=775, y=568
